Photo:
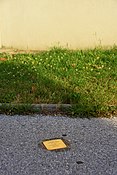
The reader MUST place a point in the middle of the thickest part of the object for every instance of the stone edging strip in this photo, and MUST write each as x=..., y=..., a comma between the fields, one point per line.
x=47, y=107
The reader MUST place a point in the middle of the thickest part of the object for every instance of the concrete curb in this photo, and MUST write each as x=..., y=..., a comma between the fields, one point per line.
x=21, y=51
x=42, y=107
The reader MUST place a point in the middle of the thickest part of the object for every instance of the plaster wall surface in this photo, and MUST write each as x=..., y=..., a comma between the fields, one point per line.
x=39, y=24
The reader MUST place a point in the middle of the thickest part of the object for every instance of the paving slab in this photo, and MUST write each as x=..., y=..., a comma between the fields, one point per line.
x=93, y=145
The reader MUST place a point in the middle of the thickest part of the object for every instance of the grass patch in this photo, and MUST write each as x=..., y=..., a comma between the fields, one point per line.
x=86, y=78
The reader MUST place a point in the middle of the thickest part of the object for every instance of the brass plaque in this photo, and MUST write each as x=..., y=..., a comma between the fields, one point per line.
x=54, y=144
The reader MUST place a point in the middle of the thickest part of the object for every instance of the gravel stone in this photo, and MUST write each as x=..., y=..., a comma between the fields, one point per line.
x=93, y=145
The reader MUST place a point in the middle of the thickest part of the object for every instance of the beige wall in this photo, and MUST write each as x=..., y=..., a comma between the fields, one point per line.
x=39, y=24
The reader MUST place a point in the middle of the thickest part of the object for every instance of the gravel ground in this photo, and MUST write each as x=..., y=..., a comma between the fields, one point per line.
x=93, y=146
